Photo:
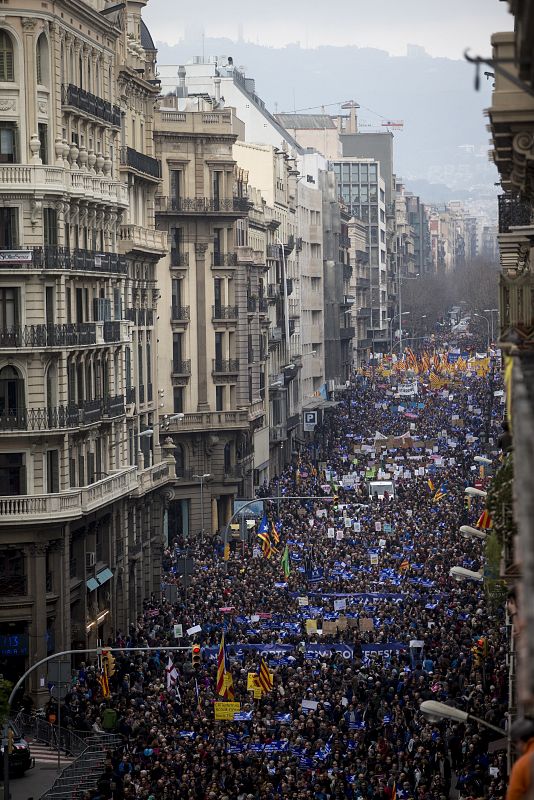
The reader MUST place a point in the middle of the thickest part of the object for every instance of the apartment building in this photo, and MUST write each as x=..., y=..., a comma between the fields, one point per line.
x=511, y=119
x=80, y=469
x=214, y=315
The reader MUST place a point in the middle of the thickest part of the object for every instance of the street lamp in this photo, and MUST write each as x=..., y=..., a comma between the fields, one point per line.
x=391, y=321
x=435, y=711
x=488, y=324
x=491, y=311
x=468, y=532
x=202, y=478
x=472, y=491
x=461, y=574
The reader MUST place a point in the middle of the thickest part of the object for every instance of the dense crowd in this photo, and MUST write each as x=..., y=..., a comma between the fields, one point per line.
x=366, y=626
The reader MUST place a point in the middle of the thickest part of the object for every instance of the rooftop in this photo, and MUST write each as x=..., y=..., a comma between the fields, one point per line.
x=309, y=122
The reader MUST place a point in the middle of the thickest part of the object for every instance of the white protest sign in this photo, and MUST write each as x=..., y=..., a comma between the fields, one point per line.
x=340, y=605
x=303, y=601
x=193, y=630
x=339, y=536
x=178, y=631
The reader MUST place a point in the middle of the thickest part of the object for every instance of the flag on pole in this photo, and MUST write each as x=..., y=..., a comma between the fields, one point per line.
x=104, y=684
x=484, y=522
x=172, y=674
x=441, y=492
x=431, y=485
x=221, y=668
x=264, y=677
x=285, y=562
x=274, y=533
x=405, y=566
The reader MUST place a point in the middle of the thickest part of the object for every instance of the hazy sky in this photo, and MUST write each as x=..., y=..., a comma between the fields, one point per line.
x=443, y=28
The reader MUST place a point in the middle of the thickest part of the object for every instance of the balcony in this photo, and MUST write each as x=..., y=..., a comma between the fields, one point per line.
x=364, y=344
x=347, y=272
x=347, y=333
x=209, y=420
x=224, y=313
x=54, y=258
x=263, y=305
x=181, y=367
x=152, y=478
x=180, y=314
x=223, y=259
x=364, y=313
x=273, y=292
x=275, y=335
x=74, y=97
x=58, y=336
x=144, y=240
x=344, y=242
x=69, y=505
x=233, y=474
x=13, y=586
x=251, y=304
x=245, y=254
x=273, y=251
x=277, y=433
x=58, y=180
x=114, y=406
x=71, y=415
x=130, y=395
x=513, y=211
x=140, y=316
x=112, y=331
x=363, y=283
x=225, y=366
x=256, y=409
x=233, y=206
x=179, y=259
x=145, y=165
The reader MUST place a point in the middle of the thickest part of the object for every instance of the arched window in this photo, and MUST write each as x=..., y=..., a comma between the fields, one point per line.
x=11, y=395
x=7, y=59
x=42, y=60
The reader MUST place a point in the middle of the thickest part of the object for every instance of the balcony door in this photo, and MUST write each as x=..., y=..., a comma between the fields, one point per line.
x=12, y=474
x=11, y=394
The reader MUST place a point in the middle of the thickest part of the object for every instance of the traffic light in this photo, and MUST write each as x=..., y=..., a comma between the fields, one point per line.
x=108, y=662
x=480, y=651
x=195, y=656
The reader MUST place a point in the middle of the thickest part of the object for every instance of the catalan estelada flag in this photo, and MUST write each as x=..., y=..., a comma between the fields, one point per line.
x=441, y=492
x=221, y=685
x=275, y=536
x=264, y=677
x=104, y=684
x=484, y=522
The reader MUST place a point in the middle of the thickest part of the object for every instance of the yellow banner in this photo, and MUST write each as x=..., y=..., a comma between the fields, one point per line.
x=226, y=711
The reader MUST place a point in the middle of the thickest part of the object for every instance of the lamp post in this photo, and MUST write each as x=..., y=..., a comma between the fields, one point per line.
x=202, y=478
x=488, y=324
x=468, y=532
x=391, y=321
x=491, y=311
x=436, y=711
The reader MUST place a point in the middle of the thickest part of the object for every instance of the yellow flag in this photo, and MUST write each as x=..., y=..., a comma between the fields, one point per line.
x=508, y=370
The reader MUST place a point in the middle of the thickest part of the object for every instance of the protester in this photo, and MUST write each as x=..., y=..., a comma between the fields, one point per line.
x=360, y=624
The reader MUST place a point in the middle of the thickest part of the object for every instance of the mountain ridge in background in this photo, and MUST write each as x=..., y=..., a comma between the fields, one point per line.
x=444, y=143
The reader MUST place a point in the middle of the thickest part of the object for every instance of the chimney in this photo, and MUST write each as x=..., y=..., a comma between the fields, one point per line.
x=217, y=83
x=182, y=88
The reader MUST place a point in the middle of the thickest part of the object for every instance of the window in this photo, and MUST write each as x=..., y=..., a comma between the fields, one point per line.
x=7, y=71
x=9, y=308
x=12, y=474
x=178, y=399
x=11, y=393
x=50, y=227
x=177, y=353
x=219, y=398
x=8, y=143
x=52, y=471
x=176, y=183
x=42, y=60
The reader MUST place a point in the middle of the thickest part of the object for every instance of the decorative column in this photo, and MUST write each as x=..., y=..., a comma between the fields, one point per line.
x=202, y=386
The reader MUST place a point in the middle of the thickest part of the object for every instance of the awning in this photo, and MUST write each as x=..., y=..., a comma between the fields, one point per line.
x=319, y=404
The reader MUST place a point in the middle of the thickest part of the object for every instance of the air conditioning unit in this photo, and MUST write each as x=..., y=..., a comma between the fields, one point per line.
x=90, y=559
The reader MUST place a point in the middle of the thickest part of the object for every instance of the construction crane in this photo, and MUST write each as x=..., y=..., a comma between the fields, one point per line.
x=352, y=105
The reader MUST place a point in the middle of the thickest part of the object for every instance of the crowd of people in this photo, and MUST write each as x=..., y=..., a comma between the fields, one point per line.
x=363, y=624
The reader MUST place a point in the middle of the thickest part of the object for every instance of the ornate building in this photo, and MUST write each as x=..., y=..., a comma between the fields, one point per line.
x=80, y=466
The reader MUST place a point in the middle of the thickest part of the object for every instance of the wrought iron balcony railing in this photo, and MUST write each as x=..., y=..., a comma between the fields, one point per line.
x=226, y=365
x=223, y=312
x=181, y=367
x=223, y=259
x=180, y=313
x=89, y=103
x=140, y=162
x=55, y=257
x=513, y=211
x=68, y=335
x=202, y=205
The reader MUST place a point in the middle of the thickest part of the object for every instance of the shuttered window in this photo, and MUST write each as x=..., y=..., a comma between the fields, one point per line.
x=7, y=72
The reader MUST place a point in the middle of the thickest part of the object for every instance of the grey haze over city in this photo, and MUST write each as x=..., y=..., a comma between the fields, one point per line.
x=412, y=70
